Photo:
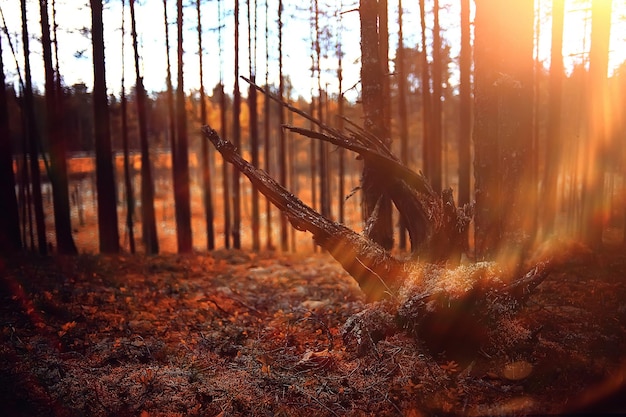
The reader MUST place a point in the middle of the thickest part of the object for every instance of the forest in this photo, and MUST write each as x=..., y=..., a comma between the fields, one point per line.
x=359, y=207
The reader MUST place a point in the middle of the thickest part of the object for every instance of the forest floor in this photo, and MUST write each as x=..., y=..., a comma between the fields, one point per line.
x=237, y=334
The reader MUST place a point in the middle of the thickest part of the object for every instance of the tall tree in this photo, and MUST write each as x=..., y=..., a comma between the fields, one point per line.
x=426, y=97
x=503, y=57
x=148, y=218
x=128, y=185
x=465, y=105
x=436, y=138
x=224, y=131
x=340, y=114
x=34, y=139
x=236, y=228
x=105, y=176
x=553, y=139
x=402, y=110
x=206, y=167
x=376, y=204
x=10, y=239
x=254, y=125
x=597, y=136
x=266, y=131
x=282, y=149
x=181, y=162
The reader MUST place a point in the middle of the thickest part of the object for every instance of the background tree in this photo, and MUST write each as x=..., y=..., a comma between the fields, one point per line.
x=128, y=185
x=254, y=124
x=204, y=149
x=236, y=227
x=376, y=206
x=465, y=104
x=503, y=124
x=597, y=137
x=105, y=176
x=181, y=157
x=282, y=149
x=553, y=138
x=148, y=219
x=34, y=139
x=10, y=239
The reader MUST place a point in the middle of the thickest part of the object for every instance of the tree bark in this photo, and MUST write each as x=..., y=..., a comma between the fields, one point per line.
x=105, y=176
x=10, y=239
x=148, y=218
x=181, y=161
x=376, y=202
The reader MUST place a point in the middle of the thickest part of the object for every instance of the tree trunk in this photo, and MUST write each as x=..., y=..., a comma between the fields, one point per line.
x=206, y=166
x=503, y=125
x=266, y=134
x=597, y=136
x=553, y=139
x=34, y=139
x=128, y=185
x=282, y=149
x=465, y=97
x=402, y=111
x=148, y=218
x=236, y=227
x=376, y=202
x=426, y=98
x=105, y=176
x=10, y=239
x=436, y=138
x=181, y=165
x=254, y=124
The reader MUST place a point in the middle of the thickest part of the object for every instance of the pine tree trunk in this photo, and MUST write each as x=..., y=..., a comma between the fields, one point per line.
x=34, y=139
x=105, y=176
x=10, y=239
x=181, y=167
x=148, y=218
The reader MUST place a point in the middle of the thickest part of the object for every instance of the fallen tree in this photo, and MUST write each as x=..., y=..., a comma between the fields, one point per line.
x=428, y=294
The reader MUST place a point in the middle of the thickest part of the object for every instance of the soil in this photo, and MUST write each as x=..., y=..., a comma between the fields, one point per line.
x=232, y=333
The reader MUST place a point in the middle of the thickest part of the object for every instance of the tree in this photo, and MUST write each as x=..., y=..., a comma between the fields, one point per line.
x=465, y=97
x=282, y=149
x=503, y=97
x=206, y=168
x=553, y=138
x=105, y=177
x=10, y=239
x=236, y=227
x=597, y=137
x=128, y=185
x=435, y=146
x=254, y=125
x=402, y=110
x=376, y=204
x=148, y=221
x=426, y=97
x=181, y=158
x=266, y=132
x=34, y=139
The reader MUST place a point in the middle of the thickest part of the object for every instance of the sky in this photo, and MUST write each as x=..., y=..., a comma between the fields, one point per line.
x=74, y=20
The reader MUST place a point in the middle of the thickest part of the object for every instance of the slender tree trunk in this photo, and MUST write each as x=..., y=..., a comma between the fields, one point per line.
x=266, y=132
x=128, y=185
x=10, y=239
x=340, y=123
x=402, y=111
x=224, y=130
x=34, y=139
x=282, y=149
x=552, y=162
x=436, y=146
x=181, y=167
x=426, y=99
x=236, y=228
x=465, y=106
x=206, y=167
x=254, y=123
x=105, y=176
x=597, y=141
x=377, y=205
x=148, y=220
